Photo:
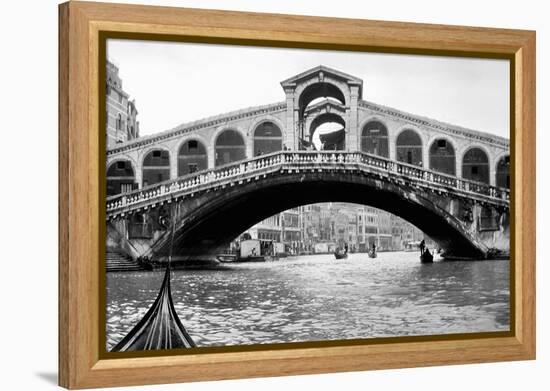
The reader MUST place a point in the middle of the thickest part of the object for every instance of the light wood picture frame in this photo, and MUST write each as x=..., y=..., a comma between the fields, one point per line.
x=82, y=29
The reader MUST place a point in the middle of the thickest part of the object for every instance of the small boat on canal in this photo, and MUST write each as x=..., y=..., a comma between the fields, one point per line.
x=340, y=253
x=426, y=257
x=372, y=253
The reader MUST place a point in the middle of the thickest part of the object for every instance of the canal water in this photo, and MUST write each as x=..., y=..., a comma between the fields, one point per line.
x=316, y=298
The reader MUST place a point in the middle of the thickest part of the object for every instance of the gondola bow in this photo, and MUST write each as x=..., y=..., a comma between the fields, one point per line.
x=160, y=328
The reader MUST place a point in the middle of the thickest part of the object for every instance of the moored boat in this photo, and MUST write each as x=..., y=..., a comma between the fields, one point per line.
x=226, y=258
x=254, y=250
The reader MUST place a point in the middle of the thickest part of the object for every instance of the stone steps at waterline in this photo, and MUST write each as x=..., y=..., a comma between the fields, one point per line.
x=118, y=262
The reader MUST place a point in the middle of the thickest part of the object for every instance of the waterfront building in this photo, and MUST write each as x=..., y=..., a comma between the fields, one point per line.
x=268, y=229
x=347, y=224
x=291, y=232
x=325, y=223
x=360, y=226
x=352, y=233
x=361, y=237
x=311, y=226
x=339, y=230
x=384, y=230
x=367, y=227
x=122, y=123
x=286, y=227
x=403, y=232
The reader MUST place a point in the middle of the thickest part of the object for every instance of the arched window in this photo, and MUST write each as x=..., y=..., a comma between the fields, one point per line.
x=442, y=157
x=312, y=95
x=192, y=157
x=409, y=147
x=475, y=166
x=267, y=138
x=503, y=172
x=229, y=147
x=374, y=139
x=120, y=178
x=156, y=167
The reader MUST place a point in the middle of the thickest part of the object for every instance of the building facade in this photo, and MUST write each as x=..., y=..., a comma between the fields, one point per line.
x=358, y=226
x=403, y=233
x=122, y=123
x=268, y=229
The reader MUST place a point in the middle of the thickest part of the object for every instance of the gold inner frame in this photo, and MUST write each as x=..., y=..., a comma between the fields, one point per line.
x=104, y=36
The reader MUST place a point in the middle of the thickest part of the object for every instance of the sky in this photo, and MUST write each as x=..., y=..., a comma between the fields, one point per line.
x=175, y=83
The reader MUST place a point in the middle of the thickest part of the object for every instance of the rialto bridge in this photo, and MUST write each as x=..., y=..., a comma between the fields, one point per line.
x=230, y=171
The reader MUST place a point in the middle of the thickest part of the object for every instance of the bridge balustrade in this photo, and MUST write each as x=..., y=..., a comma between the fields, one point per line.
x=299, y=160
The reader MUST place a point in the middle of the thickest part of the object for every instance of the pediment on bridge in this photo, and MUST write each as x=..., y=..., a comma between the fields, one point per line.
x=320, y=72
x=327, y=105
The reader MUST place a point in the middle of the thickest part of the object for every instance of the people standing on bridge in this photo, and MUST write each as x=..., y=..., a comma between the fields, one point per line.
x=422, y=246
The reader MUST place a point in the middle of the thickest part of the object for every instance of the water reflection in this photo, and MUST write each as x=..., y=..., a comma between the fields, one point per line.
x=313, y=298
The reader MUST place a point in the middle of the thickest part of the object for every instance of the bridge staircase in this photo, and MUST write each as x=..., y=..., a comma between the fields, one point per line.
x=119, y=262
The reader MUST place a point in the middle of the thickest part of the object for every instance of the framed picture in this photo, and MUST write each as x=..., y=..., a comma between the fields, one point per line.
x=247, y=195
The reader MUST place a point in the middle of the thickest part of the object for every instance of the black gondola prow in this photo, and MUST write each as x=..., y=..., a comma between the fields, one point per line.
x=161, y=327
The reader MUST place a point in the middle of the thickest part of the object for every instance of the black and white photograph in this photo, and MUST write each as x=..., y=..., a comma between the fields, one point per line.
x=263, y=195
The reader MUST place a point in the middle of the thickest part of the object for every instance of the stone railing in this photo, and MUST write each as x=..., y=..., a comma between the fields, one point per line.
x=301, y=160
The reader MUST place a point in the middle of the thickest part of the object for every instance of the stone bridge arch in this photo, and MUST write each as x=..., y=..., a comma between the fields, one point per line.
x=313, y=89
x=320, y=86
x=203, y=229
x=326, y=117
x=322, y=112
x=288, y=116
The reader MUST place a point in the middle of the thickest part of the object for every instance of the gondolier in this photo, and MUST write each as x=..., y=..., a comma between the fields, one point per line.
x=372, y=251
